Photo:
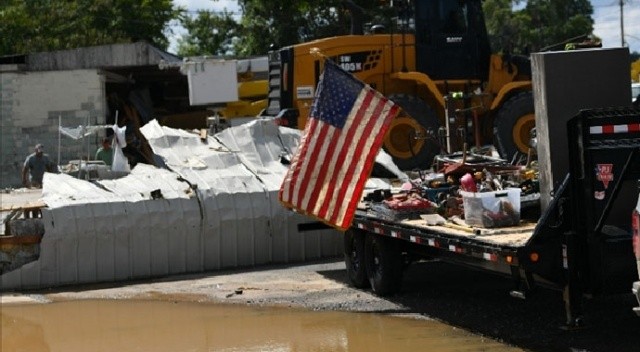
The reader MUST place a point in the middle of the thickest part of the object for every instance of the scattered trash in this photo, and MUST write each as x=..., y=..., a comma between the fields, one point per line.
x=483, y=191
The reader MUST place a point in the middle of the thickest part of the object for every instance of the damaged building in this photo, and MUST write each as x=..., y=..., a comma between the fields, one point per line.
x=191, y=203
x=212, y=205
x=88, y=86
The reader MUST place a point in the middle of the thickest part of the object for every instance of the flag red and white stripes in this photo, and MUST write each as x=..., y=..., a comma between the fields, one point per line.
x=345, y=131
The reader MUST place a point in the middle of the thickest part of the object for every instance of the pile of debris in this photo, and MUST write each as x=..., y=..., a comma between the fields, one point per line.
x=482, y=191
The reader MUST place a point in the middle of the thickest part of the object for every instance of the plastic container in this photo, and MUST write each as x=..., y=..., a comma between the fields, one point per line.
x=492, y=209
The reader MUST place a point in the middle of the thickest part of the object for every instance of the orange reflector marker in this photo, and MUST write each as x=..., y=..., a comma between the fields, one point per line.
x=509, y=259
x=534, y=257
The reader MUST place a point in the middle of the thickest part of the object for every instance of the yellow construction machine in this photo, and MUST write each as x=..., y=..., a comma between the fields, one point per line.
x=437, y=66
x=252, y=90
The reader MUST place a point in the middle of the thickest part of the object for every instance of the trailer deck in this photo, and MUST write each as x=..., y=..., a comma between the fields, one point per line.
x=512, y=236
x=572, y=245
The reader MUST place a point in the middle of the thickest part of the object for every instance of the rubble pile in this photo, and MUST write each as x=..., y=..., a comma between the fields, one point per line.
x=485, y=194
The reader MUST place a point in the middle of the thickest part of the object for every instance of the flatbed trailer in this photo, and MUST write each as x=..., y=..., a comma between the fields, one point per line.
x=571, y=247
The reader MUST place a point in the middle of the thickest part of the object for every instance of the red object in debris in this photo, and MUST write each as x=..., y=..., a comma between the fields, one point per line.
x=411, y=201
x=467, y=183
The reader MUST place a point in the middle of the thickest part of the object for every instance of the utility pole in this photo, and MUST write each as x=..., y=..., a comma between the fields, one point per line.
x=622, y=23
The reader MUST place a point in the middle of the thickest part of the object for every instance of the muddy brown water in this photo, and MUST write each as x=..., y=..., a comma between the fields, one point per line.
x=118, y=325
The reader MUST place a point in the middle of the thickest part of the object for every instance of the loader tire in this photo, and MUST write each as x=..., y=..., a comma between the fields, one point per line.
x=383, y=262
x=416, y=118
x=513, y=124
x=354, y=258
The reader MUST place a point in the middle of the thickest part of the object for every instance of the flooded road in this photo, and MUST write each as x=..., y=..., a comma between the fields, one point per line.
x=143, y=325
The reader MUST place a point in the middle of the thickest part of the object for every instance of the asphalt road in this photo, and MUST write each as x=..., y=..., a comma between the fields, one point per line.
x=479, y=302
x=473, y=300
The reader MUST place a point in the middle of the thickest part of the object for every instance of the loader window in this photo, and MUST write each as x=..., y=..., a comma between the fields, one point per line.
x=453, y=16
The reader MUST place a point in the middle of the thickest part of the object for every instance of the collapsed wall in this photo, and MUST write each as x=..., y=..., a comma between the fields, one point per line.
x=214, y=206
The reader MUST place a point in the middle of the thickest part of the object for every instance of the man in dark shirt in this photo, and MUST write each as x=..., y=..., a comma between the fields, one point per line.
x=34, y=166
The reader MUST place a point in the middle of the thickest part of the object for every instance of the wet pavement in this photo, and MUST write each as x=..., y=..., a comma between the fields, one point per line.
x=141, y=325
x=441, y=307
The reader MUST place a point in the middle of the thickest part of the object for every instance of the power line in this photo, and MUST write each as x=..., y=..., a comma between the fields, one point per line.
x=218, y=12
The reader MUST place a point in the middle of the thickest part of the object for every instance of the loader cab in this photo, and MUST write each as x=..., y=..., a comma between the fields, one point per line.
x=451, y=39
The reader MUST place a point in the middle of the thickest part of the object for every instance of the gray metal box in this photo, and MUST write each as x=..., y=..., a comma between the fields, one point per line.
x=564, y=83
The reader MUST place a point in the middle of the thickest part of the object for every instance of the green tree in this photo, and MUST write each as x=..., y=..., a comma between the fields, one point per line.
x=539, y=24
x=533, y=25
x=208, y=33
x=282, y=23
x=44, y=25
x=265, y=24
x=287, y=22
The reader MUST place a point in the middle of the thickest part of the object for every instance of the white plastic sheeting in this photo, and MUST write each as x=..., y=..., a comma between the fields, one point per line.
x=216, y=207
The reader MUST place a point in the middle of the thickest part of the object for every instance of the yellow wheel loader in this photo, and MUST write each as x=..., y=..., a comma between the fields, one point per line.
x=437, y=65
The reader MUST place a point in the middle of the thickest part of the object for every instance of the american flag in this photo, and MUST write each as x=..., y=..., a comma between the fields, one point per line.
x=344, y=132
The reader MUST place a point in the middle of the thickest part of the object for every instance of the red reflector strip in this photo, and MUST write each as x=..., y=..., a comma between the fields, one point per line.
x=395, y=234
x=378, y=230
x=433, y=243
x=609, y=129
x=453, y=248
x=415, y=239
x=361, y=226
x=490, y=256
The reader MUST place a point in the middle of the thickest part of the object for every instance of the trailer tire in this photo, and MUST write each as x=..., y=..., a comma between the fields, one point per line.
x=407, y=152
x=512, y=125
x=383, y=262
x=354, y=258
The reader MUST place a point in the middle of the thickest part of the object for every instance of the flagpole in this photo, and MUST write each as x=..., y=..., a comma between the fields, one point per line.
x=59, y=138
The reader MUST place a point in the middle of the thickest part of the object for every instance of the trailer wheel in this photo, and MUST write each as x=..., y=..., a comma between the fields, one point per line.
x=512, y=125
x=408, y=140
x=354, y=258
x=383, y=264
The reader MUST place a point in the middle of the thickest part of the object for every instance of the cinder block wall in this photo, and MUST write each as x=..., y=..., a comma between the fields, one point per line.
x=30, y=105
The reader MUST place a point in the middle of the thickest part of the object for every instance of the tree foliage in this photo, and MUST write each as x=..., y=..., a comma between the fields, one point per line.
x=537, y=25
x=208, y=33
x=263, y=24
x=267, y=24
x=41, y=25
x=44, y=25
x=282, y=23
x=529, y=26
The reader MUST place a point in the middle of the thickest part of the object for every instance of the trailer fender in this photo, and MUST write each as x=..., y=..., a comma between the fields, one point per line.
x=545, y=260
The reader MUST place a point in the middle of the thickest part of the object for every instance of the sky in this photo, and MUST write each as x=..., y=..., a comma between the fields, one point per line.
x=606, y=15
